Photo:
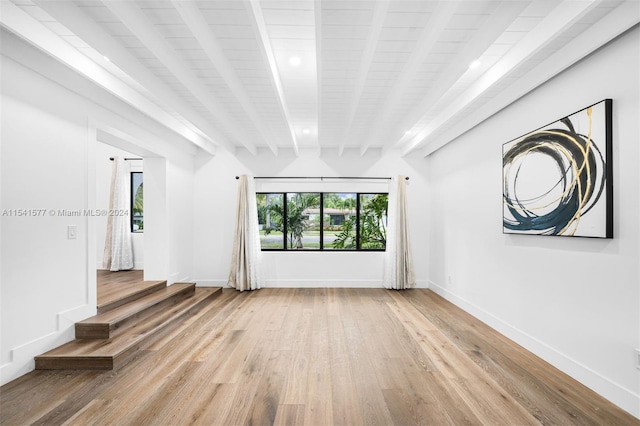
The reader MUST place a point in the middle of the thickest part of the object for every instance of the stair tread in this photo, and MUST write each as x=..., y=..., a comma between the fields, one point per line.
x=111, y=348
x=125, y=311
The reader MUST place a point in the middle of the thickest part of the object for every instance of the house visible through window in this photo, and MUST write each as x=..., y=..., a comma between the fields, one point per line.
x=322, y=221
x=137, y=202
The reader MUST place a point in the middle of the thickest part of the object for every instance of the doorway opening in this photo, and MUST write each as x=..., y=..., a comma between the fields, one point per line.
x=110, y=283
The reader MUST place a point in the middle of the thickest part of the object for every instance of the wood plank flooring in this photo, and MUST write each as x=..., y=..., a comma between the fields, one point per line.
x=317, y=357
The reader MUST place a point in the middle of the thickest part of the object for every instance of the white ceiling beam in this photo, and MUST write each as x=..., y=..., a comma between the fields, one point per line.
x=495, y=26
x=428, y=39
x=615, y=23
x=19, y=22
x=377, y=23
x=136, y=22
x=260, y=29
x=192, y=16
x=318, y=33
x=69, y=15
x=553, y=25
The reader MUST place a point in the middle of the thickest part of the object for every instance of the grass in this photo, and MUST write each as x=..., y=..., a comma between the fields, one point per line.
x=307, y=245
x=306, y=233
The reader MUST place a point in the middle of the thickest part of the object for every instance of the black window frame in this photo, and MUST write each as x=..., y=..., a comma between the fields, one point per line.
x=321, y=214
x=132, y=201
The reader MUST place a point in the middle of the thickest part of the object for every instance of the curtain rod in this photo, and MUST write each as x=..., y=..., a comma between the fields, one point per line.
x=126, y=159
x=325, y=177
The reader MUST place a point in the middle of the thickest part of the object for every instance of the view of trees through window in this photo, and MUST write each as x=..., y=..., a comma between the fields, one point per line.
x=322, y=221
x=137, y=202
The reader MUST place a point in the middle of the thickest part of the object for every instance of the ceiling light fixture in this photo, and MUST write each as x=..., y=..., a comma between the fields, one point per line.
x=475, y=64
x=306, y=131
x=295, y=61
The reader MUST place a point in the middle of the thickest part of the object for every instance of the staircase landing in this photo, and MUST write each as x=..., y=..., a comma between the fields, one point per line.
x=115, y=288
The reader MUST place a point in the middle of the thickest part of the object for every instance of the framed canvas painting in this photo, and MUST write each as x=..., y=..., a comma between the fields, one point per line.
x=557, y=180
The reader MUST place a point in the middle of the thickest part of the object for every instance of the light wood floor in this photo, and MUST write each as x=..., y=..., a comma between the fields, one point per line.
x=317, y=357
x=114, y=285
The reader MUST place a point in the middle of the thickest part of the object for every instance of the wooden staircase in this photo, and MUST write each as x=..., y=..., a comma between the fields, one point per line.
x=125, y=325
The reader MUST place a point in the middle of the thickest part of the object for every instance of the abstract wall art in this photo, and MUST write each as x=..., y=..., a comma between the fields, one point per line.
x=557, y=180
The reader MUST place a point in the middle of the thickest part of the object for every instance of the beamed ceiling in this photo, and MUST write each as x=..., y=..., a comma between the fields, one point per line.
x=329, y=75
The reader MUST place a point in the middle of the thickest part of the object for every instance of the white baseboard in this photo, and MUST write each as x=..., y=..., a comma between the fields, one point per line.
x=22, y=356
x=175, y=278
x=305, y=283
x=212, y=283
x=422, y=284
x=137, y=266
x=625, y=398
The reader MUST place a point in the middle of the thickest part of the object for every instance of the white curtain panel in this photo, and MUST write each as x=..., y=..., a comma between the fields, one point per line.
x=398, y=267
x=118, y=251
x=245, y=258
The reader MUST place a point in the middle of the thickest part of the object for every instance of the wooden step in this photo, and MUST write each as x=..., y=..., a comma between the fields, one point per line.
x=138, y=290
x=103, y=325
x=107, y=354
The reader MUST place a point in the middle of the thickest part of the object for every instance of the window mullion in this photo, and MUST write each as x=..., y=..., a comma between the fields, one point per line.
x=285, y=219
x=358, y=247
x=322, y=221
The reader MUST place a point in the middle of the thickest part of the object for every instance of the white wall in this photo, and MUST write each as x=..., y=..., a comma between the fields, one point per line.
x=215, y=188
x=103, y=170
x=573, y=301
x=50, y=123
x=169, y=227
x=44, y=274
x=181, y=231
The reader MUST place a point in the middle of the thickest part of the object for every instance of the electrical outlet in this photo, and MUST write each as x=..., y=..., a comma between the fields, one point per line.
x=72, y=232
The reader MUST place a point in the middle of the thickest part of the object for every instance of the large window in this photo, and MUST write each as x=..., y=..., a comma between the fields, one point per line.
x=322, y=221
x=137, y=203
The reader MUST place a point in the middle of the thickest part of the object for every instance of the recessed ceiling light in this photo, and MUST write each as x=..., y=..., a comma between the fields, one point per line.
x=474, y=64
x=295, y=61
x=306, y=131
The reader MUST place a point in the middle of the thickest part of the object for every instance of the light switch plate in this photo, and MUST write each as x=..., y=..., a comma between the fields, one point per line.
x=72, y=232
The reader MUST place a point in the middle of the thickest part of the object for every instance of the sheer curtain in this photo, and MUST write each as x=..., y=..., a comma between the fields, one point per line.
x=245, y=258
x=118, y=252
x=398, y=270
